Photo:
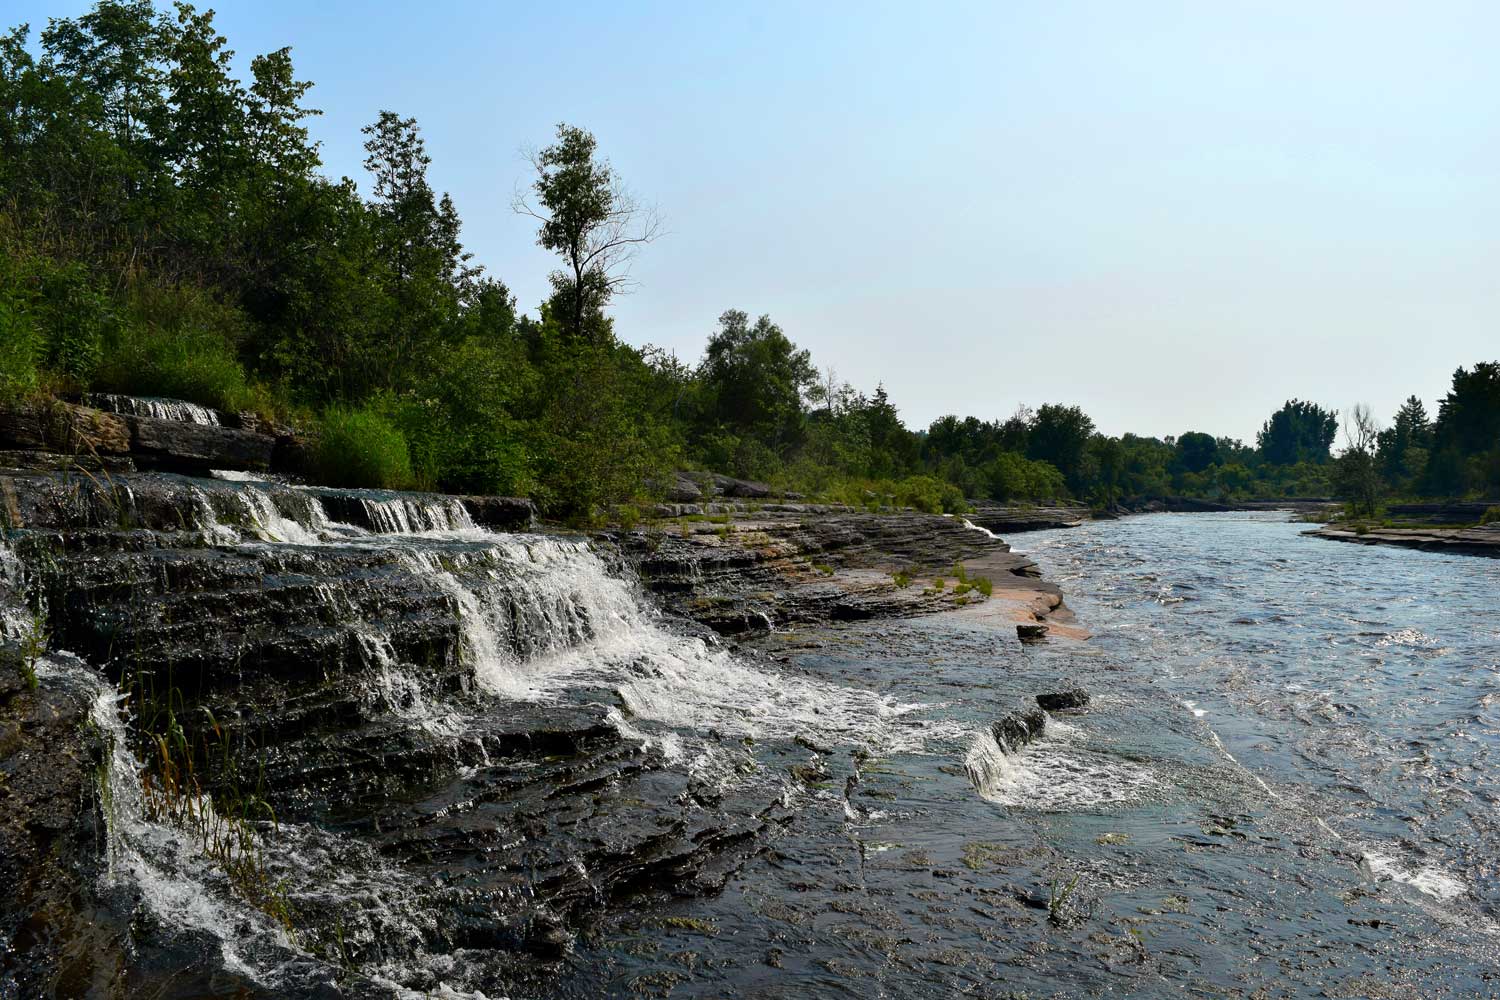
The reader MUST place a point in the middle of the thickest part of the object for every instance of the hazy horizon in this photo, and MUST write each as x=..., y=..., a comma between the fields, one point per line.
x=1176, y=216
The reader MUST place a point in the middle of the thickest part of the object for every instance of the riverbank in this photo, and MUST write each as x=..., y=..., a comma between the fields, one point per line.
x=412, y=679
x=1481, y=540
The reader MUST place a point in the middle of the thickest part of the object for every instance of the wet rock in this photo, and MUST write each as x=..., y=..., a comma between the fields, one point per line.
x=501, y=513
x=51, y=826
x=1031, y=632
x=1016, y=730
x=180, y=446
x=1001, y=518
x=1059, y=701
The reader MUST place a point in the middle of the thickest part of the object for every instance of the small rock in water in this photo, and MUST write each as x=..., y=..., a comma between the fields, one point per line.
x=548, y=938
x=1031, y=632
x=1058, y=701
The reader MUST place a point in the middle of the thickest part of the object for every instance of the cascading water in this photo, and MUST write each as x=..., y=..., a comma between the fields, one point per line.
x=159, y=409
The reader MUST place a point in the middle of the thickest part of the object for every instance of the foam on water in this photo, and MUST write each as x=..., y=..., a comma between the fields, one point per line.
x=1424, y=878
x=541, y=616
x=1053, y=773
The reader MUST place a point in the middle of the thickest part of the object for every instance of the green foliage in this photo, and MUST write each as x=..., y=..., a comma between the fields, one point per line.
x=1490, y=516
x=1298, y=432
x=984, y=585
x=21, y=348
x=901, y=579
x=360, y=447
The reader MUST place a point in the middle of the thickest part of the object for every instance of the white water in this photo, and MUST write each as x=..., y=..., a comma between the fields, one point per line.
x=414, y=515
x=15, y=619
x=159, y=409
x=1053, y=773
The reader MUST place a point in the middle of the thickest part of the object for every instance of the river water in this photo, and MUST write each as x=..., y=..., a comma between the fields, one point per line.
x=1285, y=785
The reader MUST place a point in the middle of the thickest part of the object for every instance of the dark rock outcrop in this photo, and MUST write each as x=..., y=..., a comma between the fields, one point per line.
x=501, y=513
x=51, y=828
x=1017, y=729
x=1062, y=701
x=1001, y=518
x=1029, y=632
x=179, y=446
x=744, y=489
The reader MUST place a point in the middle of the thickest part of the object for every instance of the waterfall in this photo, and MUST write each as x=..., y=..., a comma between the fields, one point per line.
x=157, y=408
x=15, y=620
x=406, y=515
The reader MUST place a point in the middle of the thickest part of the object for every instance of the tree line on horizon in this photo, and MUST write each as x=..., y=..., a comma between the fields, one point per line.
x=165, y=229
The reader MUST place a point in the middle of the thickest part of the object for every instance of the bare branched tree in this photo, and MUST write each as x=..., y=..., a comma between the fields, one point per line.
x=589, y=219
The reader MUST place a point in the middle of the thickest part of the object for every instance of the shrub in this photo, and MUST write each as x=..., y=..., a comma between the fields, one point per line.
x=902, y=579
x=359, y=447
x=1490, y=516
x=20, y=349
x=984, y=585
x=181, y=343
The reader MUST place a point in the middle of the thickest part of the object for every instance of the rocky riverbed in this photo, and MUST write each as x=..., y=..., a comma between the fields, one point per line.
x=301, y=741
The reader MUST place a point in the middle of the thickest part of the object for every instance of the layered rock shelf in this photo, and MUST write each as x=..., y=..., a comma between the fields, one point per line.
x=1483, y=540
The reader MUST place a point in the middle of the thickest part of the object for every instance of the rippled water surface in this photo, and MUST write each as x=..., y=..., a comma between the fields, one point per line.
x=1285, y=786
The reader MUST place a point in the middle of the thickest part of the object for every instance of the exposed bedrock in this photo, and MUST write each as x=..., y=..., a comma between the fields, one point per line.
x=1483, y=540
x=783, y=564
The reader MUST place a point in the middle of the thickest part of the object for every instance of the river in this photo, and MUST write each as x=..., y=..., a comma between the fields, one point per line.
x=1285, y=785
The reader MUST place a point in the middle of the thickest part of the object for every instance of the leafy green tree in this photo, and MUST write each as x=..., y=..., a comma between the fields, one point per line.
x=1197, y=451
x=589, y=219
x=1298, y=432
x=1466, y=439
x=1060, y=435
x=754, y=380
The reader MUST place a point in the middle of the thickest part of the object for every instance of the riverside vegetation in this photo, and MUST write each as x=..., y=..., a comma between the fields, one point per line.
x=165, y=230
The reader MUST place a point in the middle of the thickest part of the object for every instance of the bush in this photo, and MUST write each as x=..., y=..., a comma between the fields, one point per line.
x=359, y=447
x=181, y=343
x=1490, y=516
x=20, y=350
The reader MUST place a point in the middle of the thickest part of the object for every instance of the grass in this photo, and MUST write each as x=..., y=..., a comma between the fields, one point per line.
x=228, y=825
x=359, y=447
x=823, y=568
x=901, y=578
x=984, y=585
x=33, y=647
x=1058, y=901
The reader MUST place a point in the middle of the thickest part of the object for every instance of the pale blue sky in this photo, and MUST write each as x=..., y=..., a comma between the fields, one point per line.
x=1174, y=214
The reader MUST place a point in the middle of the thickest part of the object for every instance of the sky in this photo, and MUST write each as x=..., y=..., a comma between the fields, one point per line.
x=1174, y=214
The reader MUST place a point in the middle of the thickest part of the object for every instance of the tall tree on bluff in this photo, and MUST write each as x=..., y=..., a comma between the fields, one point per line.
x=592, y=222
x=428, y=274
x=1298, y=432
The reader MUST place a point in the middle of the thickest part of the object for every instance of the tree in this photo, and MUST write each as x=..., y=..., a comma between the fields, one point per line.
x=1196, y=451
x=1060, y=435
x=591, y=221
x=1466, y=439
x=1298, y=432
x=427, y=273
x=754, y=378
x=1354, y=475
x=1402, y=448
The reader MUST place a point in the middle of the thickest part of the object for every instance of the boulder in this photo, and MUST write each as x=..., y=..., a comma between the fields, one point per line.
x=1059, y=701
x=180, y=446
x=501, y=513
x=1031, y=632
x=1014, y=731
x=746, y=489
x=682, y=489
